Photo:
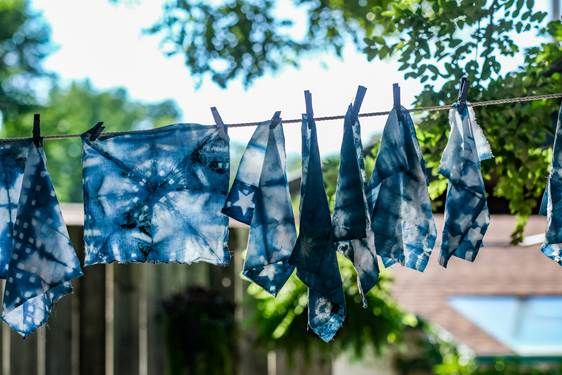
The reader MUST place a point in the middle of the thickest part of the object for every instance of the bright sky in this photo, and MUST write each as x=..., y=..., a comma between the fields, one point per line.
x=105, y=43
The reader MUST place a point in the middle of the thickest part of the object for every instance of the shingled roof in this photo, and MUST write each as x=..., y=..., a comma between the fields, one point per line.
x=500, y=269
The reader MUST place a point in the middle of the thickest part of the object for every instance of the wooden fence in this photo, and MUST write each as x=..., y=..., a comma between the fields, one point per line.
x=111, y=325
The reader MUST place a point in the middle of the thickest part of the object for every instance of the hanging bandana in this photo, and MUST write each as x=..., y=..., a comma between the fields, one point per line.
x=400, y=207
x=260, y=198
x=43, y=261
x=553, y=243
x=352, y=225
x=315, y=252
x=466, y=210
x=156, y=195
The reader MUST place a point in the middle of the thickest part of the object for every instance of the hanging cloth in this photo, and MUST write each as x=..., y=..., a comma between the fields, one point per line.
x=156, y=195
x=315, y=251
x=553, y=241
x=352, y=224
x=43, y=261
x=398, y=199
x=466, y=211
x=260, y=198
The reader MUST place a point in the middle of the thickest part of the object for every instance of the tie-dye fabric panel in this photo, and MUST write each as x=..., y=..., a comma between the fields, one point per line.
x=552, y=246
x=351, y=221
x=315, y=251
x=260, y=197
x=466, y=211
x=43, y=261
x=156, y=196
x=13, y=156
x=398, y=198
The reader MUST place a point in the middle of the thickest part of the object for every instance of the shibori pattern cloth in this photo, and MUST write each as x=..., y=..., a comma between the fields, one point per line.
x=260, y=198
x=398, y=198
x=42, y=260
x=553, y=199
x=466, y=210
x=351, y=221
x=156, y=195
x=315, y=251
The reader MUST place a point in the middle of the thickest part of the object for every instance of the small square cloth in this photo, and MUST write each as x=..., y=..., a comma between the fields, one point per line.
x=315, y=251
x=42, y=259
x=398, y=198
x=156, y=195
x=351, y=221
x=552, y=246
x=260, y=198
x=466, y=210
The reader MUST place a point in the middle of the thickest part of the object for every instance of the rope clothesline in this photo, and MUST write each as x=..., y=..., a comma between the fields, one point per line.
x=485, y=103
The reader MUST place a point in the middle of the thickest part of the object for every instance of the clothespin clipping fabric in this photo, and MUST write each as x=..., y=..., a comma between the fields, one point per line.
x=315, y=251
x=260, y=198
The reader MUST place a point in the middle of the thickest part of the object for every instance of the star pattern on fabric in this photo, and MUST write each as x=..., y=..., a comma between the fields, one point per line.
x=245, y=201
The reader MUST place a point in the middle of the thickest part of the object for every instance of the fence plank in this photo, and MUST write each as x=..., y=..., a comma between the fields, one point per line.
x=23, y=354
x=126, y=319
x=58, y=346
x=92, y=321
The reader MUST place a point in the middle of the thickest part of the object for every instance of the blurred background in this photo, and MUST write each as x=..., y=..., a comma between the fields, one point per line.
x=138, y=64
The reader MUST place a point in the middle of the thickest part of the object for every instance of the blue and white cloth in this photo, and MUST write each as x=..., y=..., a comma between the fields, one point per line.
x=398, y=198
x=156, y=196
x=42, y=260
x=260, y=198
x=466, y=210
x=552, y=246
x=315, y=251
x=351, y=221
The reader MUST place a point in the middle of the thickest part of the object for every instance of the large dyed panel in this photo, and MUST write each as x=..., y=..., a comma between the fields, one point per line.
x=466, y=210
x=398, y=199
x=315, y=251
x=352, y=224
x=260, y=198
x=43, y=261
x=552, y=246
x=156, y=196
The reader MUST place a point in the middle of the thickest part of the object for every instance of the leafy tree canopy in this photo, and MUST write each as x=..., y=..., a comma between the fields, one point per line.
x=24, y=43
x=433, y=41
x=74, y=109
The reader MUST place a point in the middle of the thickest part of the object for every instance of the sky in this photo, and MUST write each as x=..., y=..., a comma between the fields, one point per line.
x=104, y=43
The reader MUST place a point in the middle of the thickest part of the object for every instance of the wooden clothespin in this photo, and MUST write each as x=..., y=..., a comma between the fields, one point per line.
x=96, y=131
x=396, y=95
x=221, y=127
x=275, y=120
x=37, y=140
x=463, y=90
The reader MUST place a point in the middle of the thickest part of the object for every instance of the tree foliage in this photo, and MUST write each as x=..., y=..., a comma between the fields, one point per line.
x=435, y=42
x=24, y=43
x=73, y=110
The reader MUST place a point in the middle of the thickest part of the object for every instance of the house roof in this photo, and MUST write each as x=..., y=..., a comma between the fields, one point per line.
x=500, y=269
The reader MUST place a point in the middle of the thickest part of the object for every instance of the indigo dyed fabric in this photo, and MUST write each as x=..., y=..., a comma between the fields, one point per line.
x=260, y=198
x=553, y=241
x=43, y=261
x=351, y=221
x=398, y=199
x=315, y=251
x=466, y=211
x=156, y=196
x=13, y=156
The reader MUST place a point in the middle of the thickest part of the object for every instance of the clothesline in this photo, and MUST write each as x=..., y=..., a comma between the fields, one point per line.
x=485, y=103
